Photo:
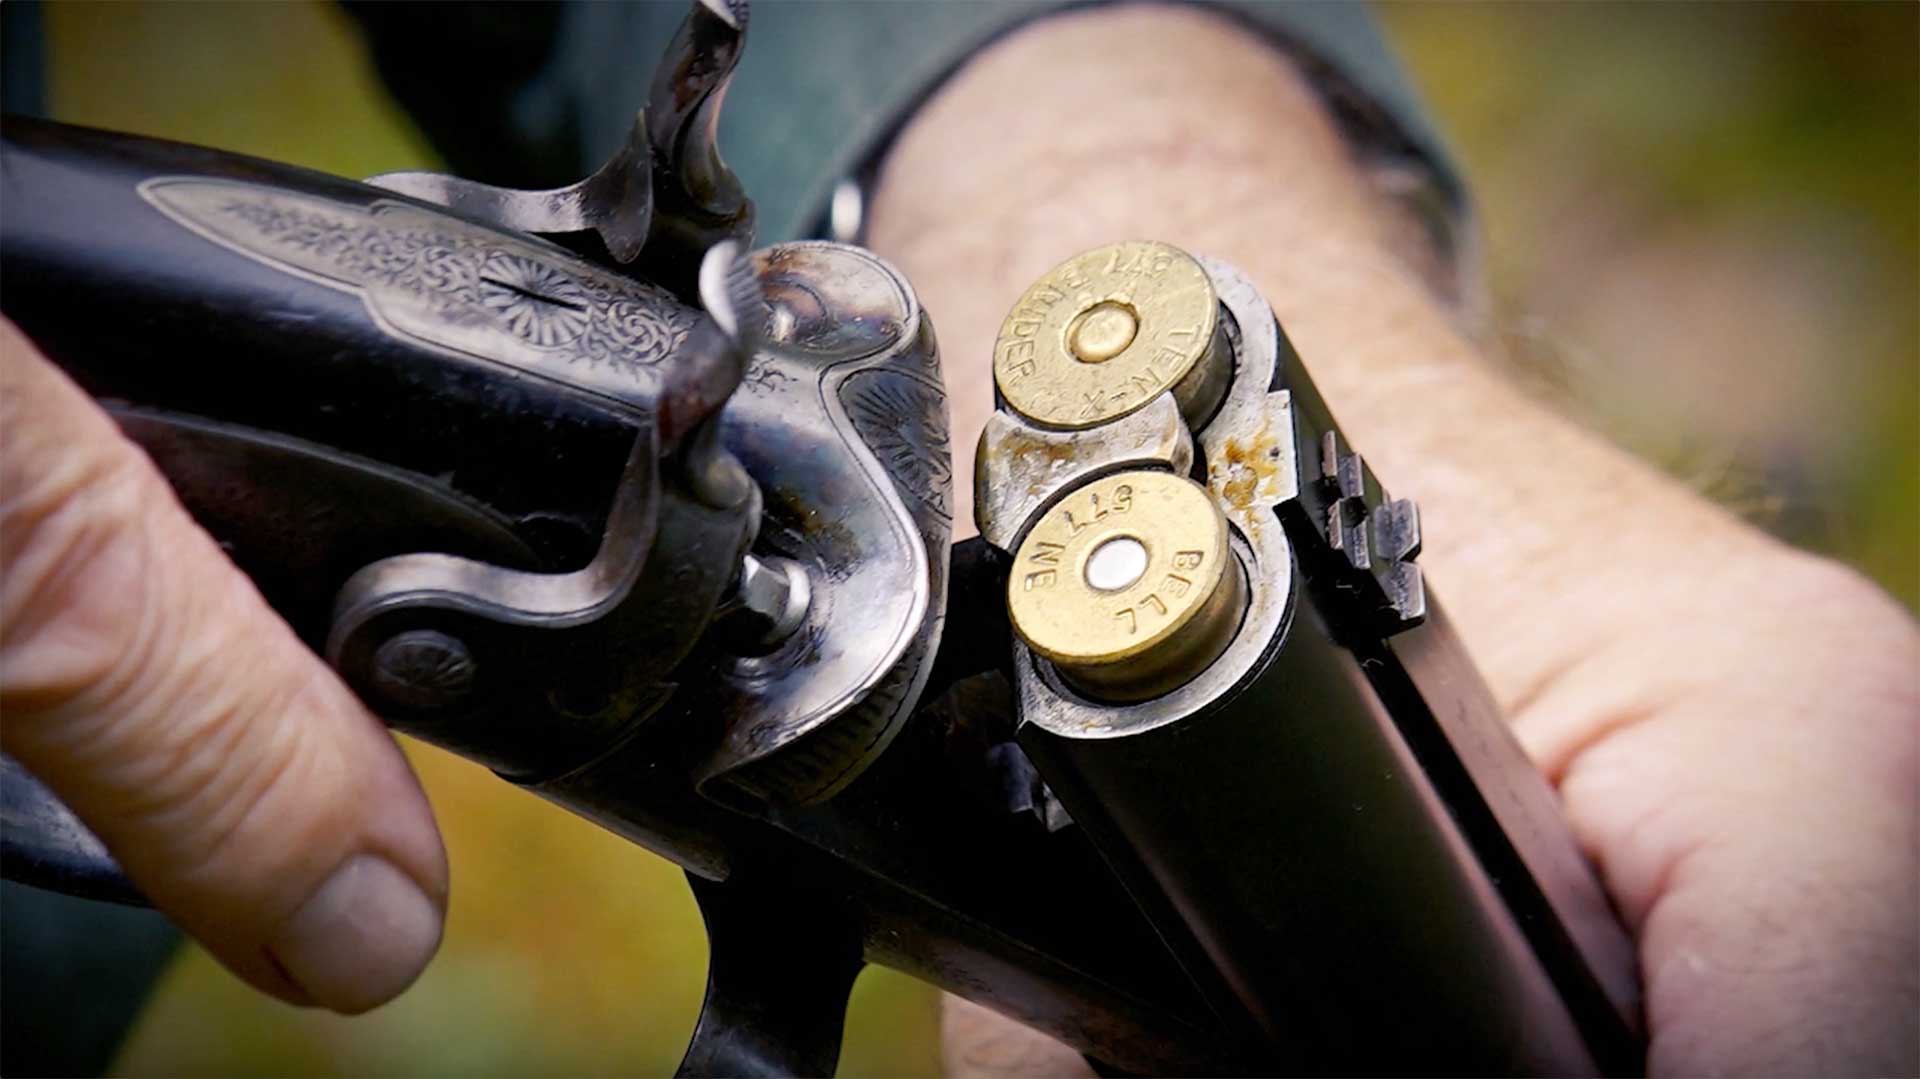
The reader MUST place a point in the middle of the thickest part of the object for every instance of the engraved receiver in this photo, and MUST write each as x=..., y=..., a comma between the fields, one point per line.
x=1191, y=773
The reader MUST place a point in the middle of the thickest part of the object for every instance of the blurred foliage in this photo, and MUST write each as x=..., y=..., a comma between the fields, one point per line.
x=1702, y=220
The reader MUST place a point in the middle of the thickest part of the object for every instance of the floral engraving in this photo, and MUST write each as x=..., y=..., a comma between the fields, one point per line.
x=764, y=376
x=537, y=302
x=445, y=281
x=904, y=420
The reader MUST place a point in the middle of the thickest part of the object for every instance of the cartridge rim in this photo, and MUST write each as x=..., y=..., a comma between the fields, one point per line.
x=1169, y=611
x=1103, y=333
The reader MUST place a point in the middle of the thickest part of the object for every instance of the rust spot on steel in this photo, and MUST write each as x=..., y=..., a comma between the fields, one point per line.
x=1249, y=466
x=1031, y=459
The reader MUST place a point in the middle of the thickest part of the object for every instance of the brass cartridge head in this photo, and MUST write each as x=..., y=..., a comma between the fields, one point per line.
x=1128, y=585
x=1108, y=330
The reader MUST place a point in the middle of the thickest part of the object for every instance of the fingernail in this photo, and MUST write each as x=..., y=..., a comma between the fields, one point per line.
x=361, y=937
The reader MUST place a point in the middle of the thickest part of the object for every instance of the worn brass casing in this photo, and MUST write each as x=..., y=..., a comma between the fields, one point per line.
x=1108, y=330
x=1127, y=585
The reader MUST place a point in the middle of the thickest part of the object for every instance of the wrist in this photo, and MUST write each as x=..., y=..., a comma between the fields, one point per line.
x=1214, y=142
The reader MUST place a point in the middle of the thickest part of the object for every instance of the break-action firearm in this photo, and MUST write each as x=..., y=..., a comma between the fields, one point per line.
x=1177, y=762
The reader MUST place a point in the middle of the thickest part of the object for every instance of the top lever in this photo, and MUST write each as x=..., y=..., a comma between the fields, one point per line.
x=666, y=192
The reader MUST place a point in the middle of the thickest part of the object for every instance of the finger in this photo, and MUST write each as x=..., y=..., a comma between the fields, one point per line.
x=980, y=1044
x=1761, y=829
x=142, y=677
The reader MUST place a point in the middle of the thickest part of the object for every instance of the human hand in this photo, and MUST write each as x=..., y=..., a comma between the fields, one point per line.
x=1733, y=726
x=142, y=678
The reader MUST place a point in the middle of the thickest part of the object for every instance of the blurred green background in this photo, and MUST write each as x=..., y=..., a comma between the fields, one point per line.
x=1702, y=228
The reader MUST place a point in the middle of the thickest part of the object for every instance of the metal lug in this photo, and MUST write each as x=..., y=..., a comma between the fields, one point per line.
x=616, y=202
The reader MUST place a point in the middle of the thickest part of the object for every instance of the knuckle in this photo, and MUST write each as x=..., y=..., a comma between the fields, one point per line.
x=246, y=797
x=76, y=583
x=138, y=662
x=1864, y=644
x=142, y=674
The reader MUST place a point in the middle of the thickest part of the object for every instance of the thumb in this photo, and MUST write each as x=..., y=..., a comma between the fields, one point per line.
x=142, y=677
x=976, y=1043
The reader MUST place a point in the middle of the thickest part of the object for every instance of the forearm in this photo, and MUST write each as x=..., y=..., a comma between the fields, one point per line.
x=1059, y=162
x=1531, y=520
x=1597, y=595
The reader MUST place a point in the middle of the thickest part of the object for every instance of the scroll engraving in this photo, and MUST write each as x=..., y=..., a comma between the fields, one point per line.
x=445, y=282
x=904, y=421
